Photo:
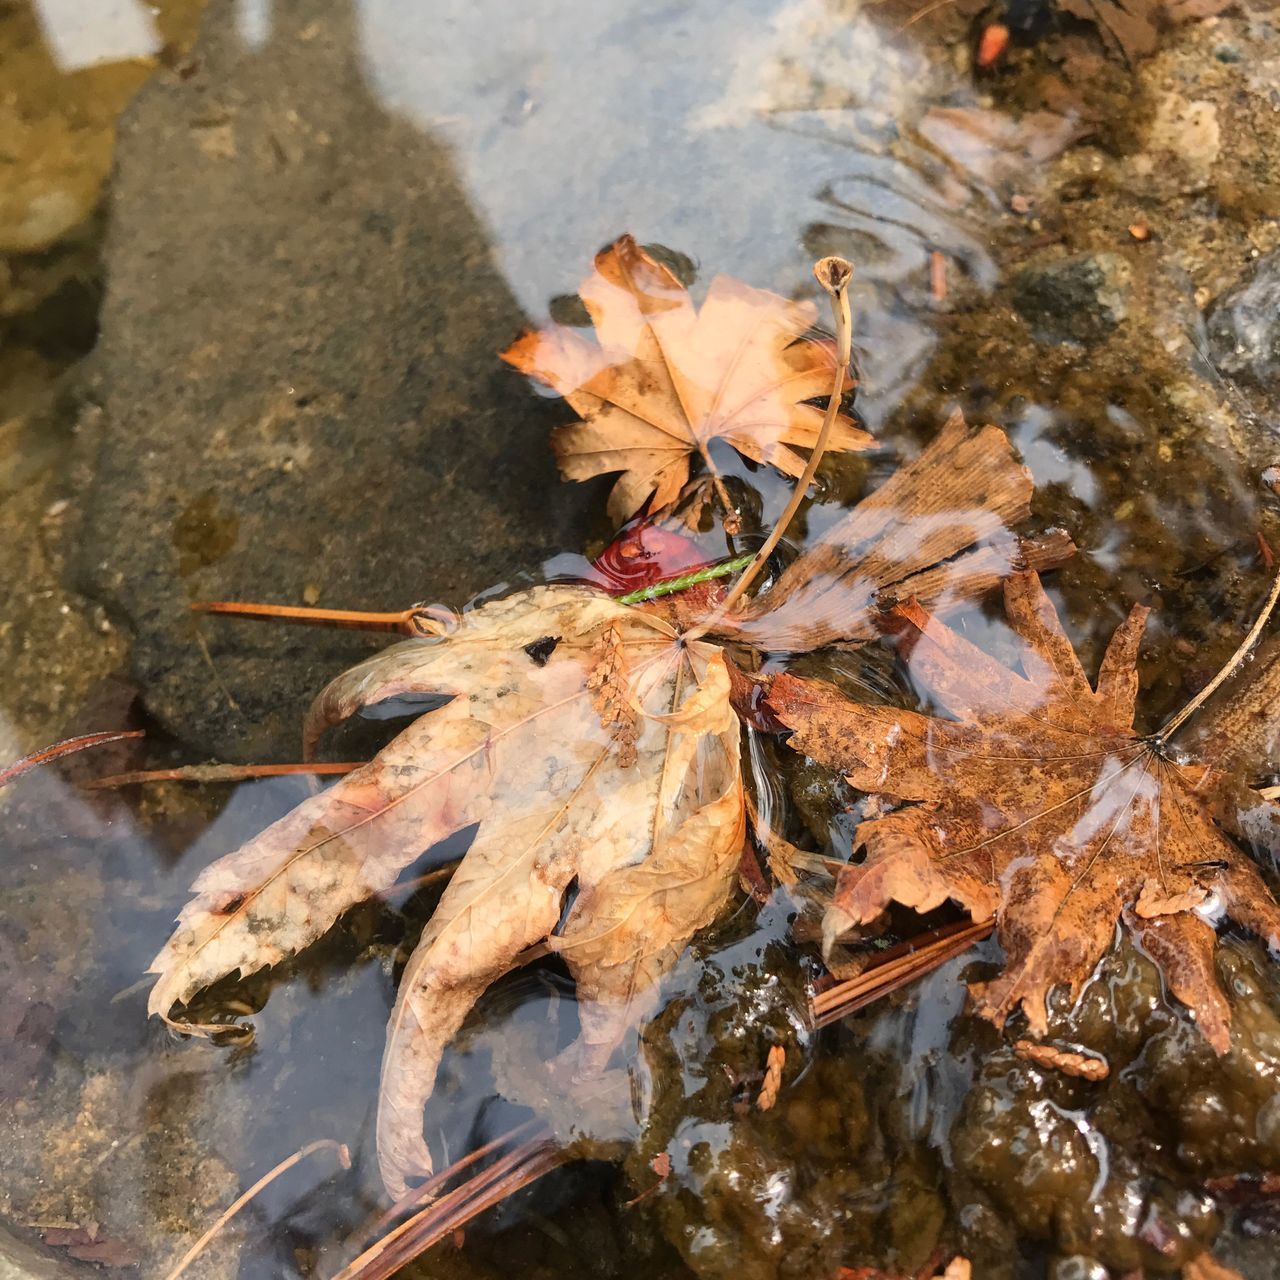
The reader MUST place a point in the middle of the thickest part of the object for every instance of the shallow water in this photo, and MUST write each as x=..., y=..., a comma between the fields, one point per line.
x=202, y=436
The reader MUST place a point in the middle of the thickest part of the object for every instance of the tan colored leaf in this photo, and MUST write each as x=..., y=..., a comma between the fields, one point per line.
x=938, y=530
x=665, y=379
x=520, y=749
x=1039, y=805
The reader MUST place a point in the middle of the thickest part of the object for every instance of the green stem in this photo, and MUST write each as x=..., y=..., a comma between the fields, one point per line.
x=686, y=580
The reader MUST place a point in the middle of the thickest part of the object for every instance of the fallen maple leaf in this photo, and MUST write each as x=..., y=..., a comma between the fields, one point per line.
x=665, y=380
x=629, y=786
x=1038, y=805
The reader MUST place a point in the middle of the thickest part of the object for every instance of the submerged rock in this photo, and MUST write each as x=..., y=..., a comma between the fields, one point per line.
x=1244, y=326
x=1078, y=299
x=300, y=396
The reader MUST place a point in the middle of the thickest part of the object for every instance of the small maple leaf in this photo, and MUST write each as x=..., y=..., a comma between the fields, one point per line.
x=649, y=826
x=665, y=379
x=1038, y=805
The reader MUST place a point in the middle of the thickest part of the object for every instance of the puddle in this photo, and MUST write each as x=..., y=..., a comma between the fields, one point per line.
x=261, y=361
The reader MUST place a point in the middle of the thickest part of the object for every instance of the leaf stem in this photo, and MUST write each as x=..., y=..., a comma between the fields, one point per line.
x=670, y=586
x=833, y=274
x=1171, y=726
x=420, y=620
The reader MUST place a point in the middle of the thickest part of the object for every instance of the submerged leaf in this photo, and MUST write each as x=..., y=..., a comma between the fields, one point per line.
x=938, y=530
x=1038, y=805
x=648, y=823
x=665, y=379
x=1132, y=27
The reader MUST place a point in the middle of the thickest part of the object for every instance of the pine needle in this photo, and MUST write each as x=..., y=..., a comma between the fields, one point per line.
x=60, y=749
x=1231, y=666
x=321, y=1144
x=834, y=275
x=440, y=1218
x=219, y=773
x=897, y=967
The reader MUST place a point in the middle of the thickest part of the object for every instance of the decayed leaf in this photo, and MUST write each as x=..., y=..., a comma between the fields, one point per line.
x=937, y=530
x=992, y=145
x=648, y=822
x=1206, y=1267
x=665, y=380
x=1038, y=805
x=1132, y=27
x=1071, y=1062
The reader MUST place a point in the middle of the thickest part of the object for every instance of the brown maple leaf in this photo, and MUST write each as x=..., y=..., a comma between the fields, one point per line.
x=1040, y=805
x=649, y=826
x=666, y=379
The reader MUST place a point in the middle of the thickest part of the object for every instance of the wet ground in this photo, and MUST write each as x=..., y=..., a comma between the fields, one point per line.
x=258, y=360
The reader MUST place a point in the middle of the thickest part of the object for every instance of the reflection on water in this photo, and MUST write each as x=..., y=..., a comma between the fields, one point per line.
x=329, y=218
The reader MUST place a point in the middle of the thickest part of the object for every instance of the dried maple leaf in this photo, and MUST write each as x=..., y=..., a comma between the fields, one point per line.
x=665, y=380
x=1039, y=805
x=648, y=824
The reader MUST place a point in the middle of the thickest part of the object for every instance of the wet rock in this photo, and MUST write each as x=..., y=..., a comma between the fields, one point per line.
x=299, y=391
x=1068, y=1161
x=1244, y=326
x=1078, y=299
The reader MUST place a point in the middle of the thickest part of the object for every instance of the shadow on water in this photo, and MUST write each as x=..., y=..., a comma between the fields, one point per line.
x=324, y=221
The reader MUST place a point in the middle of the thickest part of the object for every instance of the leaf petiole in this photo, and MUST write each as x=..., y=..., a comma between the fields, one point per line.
x=834, y=275
x=686, y=580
